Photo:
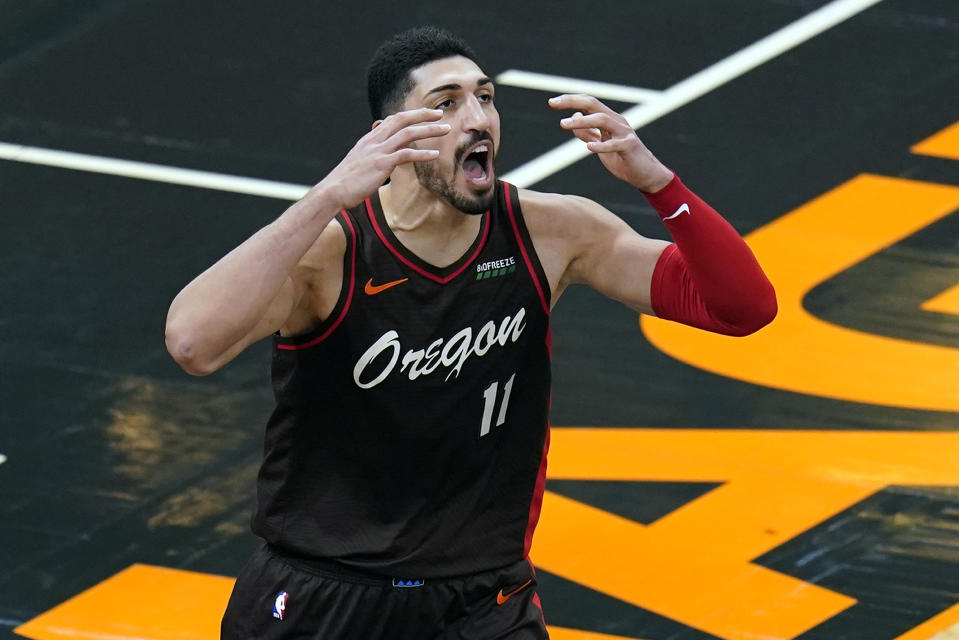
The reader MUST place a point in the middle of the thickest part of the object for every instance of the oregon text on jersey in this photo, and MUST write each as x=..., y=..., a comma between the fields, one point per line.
x=455, y=351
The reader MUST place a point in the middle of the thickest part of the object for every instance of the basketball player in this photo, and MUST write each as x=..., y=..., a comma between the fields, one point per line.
x=405, y=460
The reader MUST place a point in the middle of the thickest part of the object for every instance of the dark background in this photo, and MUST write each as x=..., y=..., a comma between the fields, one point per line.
x=116, y=456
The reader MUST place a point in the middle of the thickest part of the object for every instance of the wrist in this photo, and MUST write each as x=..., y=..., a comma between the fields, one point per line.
x=324, y=197
x=669, y=199
x=655, y=180
x=313, y=211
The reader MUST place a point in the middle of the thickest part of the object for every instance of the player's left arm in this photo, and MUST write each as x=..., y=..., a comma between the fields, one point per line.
x=708, y=277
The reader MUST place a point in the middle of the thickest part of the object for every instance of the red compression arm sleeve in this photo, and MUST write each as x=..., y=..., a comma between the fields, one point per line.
x=708, y=278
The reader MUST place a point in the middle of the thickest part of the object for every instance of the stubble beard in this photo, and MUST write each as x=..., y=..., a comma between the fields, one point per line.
x=429, y=177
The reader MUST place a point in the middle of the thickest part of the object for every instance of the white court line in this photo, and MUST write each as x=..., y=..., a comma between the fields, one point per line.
x=525, y=175
x=562, y=84
x=699, y=84
x=148, y=171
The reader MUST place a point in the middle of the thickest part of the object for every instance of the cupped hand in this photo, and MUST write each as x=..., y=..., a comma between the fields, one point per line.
x=370, y=162
x=608, y=134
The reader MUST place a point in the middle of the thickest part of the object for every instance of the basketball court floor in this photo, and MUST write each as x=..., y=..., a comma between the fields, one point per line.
x=801, y=483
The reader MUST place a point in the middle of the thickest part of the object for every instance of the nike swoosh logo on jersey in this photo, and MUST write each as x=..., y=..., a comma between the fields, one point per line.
x=373, y=289
x=683, y=209
x=500, y=598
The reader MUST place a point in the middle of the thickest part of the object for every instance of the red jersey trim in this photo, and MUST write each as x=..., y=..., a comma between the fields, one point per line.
x=420, y=270
x=536, y=504
x=539, y=606
x=522, y=248
x=349, y=297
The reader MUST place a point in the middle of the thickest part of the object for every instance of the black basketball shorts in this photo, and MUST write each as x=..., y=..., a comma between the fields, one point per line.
x=278, y=597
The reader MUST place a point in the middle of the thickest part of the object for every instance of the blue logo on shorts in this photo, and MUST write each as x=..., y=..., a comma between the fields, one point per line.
x=279, y=605
x=405, y=583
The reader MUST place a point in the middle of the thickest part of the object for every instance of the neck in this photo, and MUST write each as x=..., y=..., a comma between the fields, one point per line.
x=410, y=207
x=428, y=226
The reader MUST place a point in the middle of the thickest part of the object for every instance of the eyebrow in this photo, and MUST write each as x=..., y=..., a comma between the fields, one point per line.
x=455, y=87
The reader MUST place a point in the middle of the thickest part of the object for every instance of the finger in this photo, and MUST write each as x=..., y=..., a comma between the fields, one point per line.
x=588, y=135
x=579, y=101
x=409, y=154
x=602, y=121
x=402, y=119
x=416, y=132
x=612, y=145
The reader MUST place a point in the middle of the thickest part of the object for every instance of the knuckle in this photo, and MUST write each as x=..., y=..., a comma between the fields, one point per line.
x=403, y=118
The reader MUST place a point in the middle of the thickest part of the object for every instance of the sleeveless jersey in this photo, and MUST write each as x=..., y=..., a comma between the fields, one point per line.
x=410, y=431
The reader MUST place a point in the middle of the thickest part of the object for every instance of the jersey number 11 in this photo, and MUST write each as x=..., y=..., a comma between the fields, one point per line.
x=489, y=402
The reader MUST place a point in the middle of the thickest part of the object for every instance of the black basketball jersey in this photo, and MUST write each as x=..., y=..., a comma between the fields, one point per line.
x=410, y=431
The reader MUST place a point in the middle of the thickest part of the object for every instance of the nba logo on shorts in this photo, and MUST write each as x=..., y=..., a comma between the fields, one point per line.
x=279, y=605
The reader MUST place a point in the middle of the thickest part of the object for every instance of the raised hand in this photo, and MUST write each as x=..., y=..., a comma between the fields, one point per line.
x=607, y=134
x=373, y=158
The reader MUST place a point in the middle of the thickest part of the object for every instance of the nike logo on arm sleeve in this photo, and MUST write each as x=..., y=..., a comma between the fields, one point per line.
x=682, y=209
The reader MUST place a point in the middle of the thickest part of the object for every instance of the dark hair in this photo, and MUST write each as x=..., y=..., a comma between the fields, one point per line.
x=388, y=79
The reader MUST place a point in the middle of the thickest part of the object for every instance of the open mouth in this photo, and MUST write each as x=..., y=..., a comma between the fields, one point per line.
x=477, y=165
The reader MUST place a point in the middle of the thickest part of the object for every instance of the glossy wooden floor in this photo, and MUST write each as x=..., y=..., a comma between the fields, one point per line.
x=802, y=483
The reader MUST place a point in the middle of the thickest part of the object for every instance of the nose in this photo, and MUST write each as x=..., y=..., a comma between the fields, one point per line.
x=476, y=117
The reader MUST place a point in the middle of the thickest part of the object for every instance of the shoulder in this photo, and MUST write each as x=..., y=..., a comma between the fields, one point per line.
x=564, y=218
x=561, y=227
x=585, y=242
x=538, y=204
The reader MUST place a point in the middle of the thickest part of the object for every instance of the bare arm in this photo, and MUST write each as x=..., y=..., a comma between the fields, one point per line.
x=580, y=242
x=249, y=293
x=708, y=278
x=615, y=260
x=258, y=287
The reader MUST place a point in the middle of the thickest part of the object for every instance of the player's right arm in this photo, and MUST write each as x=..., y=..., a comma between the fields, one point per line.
x=272, y=279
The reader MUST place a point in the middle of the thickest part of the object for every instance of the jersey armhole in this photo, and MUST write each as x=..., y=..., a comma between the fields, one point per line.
x=525, y=243
x=322, y=331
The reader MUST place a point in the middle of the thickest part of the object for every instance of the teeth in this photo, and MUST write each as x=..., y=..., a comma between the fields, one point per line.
x=481, y=149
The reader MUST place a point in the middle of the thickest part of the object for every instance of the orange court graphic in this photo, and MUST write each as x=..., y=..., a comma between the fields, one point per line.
x=945, y=302
x=152, y=602
x=802, y=353
x=944, y=144
x=705, y=547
